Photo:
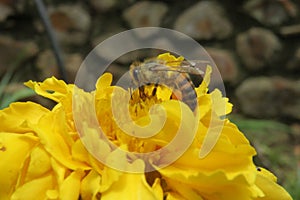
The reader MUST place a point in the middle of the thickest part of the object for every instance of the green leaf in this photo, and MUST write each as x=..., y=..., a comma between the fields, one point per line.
x=24, y=93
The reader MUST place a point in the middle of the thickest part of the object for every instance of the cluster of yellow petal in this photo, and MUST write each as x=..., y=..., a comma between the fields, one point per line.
x=170, y=60
x=44, y=154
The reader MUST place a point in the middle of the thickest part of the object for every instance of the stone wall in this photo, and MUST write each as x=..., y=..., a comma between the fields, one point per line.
x=255, y=43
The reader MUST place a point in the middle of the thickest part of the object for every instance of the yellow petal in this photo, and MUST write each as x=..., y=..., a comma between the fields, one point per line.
x=90, y=186
x=165, y=121
x=231, y=154
x=133, y=187
x=35, y=189
x=220, y=104
x=59, y=171
x=52, y=194
x=16, y=117
x=116, y=184
x=109, y=175
x=197, y=185
x=51, y=88
x=265, y=173
x=79, y=152
x=163, y=93
x=53, y=133
x=170, y=59
x=176, y=196
x=157, y=189
x=15, y=149
x=39, y=163
x=203, y=87
x=96, y=146
x=204, y=105
x=266, y=181
x=185, y=192
x=70, y=188
x=213, y=102
x=227, y=168
x=104, y=81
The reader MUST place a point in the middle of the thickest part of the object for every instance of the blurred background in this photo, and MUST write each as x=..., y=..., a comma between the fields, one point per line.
x=255, y=44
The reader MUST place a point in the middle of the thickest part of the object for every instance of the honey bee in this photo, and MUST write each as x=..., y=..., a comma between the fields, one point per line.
x=176, y=76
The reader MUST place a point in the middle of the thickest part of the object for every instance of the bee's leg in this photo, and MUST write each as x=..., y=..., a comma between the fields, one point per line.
x=131, y=92
x=155, y=89
x=142, y=94
x=131, y=88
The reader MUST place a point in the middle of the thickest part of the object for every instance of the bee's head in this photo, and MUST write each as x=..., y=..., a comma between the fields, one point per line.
x=135, y=72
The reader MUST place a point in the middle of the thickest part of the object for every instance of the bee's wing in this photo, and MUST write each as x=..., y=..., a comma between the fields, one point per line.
x=199, y=65
x=183, y=68
x=197, y=62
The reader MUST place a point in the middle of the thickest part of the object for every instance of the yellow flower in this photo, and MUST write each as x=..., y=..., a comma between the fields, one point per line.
x=91, y=143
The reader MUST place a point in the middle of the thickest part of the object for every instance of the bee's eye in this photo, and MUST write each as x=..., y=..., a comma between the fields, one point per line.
x=135, y=74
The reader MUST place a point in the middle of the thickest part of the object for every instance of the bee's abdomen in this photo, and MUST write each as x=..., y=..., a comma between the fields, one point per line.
x=186, y=88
